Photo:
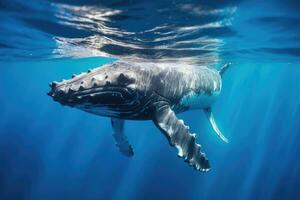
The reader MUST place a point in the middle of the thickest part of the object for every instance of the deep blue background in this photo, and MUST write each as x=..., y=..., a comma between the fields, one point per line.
x=52, y=152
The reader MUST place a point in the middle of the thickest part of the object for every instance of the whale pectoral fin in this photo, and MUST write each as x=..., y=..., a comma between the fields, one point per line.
x=120, y=138
x=179, y=136
x=214, y=124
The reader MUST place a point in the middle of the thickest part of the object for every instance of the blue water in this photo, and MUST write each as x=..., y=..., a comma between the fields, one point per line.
x=52, y=152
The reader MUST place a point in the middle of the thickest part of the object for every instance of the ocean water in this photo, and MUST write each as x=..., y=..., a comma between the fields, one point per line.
x=48, y=151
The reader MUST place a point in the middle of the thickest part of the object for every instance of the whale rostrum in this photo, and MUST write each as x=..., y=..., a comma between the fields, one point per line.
x=144, y=91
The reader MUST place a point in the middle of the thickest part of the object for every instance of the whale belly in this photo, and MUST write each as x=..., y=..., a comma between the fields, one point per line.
x=194, y=100
x=204, y=95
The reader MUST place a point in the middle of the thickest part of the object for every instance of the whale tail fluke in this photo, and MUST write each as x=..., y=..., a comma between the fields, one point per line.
x=224, y=68
x=214, y=124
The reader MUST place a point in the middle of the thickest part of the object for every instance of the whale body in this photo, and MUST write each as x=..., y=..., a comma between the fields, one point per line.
x=143, y=91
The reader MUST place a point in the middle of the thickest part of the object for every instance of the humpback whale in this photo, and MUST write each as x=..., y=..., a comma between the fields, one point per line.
x=143, y=91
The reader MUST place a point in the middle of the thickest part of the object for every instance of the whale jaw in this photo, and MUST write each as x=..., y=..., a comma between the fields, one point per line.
x=102, y=92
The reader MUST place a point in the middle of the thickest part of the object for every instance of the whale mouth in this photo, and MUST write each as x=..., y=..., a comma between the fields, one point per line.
x=98, y=96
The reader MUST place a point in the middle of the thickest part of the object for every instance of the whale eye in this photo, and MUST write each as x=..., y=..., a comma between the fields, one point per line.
x=124, y=80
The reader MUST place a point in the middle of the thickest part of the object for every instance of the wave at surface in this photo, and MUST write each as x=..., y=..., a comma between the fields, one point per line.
x=191, y=32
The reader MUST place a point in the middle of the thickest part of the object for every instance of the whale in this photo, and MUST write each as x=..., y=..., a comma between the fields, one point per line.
x=146, y=91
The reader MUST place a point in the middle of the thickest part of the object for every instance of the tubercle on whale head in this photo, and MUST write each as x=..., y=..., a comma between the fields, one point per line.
x=66, y=86
x=96, y=85
x=58, y=92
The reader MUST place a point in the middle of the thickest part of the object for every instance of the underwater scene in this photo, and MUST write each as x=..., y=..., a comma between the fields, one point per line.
x=73, y=143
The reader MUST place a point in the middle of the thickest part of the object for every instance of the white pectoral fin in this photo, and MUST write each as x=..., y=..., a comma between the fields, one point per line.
x=214, y=124
x=179, y=136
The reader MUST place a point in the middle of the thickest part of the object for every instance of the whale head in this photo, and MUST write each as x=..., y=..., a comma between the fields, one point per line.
x=103, y=91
